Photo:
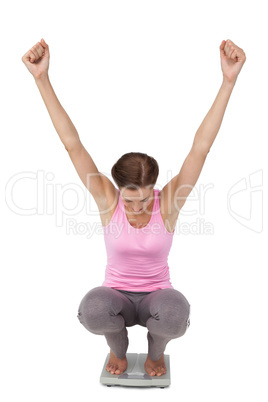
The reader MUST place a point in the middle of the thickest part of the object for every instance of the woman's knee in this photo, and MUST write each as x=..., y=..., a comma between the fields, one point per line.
x=174, y=313
x=100, y=311
x=94, y=309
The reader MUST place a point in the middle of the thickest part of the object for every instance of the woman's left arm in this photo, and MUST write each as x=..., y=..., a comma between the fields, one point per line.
x=232, y=60
x=177, y=190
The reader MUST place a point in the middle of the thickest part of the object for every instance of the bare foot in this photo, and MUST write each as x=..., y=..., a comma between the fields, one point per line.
x=157, y=367
x=115, y=365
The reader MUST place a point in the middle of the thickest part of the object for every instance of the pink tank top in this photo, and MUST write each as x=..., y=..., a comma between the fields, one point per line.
x=137, y=259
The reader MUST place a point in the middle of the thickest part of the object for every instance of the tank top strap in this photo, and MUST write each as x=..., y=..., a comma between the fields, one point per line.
x=156, y=208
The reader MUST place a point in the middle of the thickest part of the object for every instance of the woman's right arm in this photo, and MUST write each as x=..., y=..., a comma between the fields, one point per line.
x=102, y=189
x=60, y=119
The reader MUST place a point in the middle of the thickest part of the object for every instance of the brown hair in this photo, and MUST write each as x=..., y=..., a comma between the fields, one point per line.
x=134, y=170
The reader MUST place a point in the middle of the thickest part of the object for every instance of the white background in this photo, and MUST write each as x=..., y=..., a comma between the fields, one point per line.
x=133, y=76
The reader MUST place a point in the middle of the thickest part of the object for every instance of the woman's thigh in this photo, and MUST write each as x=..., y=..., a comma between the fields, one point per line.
x=102, y=303
x=167, y=306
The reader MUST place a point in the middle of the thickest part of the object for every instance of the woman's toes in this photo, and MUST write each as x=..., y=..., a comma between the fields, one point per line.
x=110, y=368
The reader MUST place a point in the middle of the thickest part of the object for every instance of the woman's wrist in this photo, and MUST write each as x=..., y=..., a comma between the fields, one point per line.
x=226, y=82
x=41, y=78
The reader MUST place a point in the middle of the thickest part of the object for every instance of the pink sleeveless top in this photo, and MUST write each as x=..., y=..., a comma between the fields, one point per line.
x=137, y=259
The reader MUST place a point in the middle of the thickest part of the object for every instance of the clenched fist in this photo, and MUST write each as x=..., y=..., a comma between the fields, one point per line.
x=37, y=59
x=232, y=60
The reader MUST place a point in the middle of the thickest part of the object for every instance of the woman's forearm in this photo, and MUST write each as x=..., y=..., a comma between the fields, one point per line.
x=210, y=126
x=60, y=119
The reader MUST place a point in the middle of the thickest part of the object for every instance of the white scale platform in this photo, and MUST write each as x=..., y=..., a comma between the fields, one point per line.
x=135, y=374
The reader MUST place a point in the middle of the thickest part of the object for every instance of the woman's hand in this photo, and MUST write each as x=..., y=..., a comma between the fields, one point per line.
x=37, y=59
x=232, y=60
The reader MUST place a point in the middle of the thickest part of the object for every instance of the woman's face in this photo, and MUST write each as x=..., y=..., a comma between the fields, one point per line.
x=137, y=201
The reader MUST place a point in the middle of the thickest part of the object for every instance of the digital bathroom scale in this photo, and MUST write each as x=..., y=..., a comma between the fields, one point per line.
x=135, y=374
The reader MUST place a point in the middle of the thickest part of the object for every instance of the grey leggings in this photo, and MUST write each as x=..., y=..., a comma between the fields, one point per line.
x=107, y=311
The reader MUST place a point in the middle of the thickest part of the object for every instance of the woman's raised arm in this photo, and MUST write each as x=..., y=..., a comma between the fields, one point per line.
x=232, y=60
x=37, y=62
x=177, y=190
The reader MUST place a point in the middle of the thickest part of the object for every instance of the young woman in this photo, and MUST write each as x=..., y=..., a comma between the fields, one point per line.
x=138, y=223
